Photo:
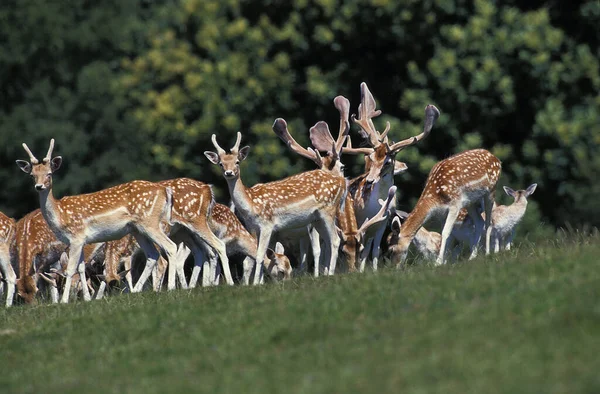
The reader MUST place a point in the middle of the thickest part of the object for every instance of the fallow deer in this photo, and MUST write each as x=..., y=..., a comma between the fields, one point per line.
x=505, y=218
x=380, y=166
x=350, y=244
x=460, y=181
x=311, y=197
x=136, y=207
x=7, y=235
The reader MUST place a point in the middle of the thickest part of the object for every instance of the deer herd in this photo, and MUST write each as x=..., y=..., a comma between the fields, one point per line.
x=82, y=244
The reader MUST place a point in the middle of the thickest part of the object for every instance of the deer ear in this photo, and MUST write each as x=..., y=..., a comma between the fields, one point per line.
x=25, y=166
x=399, y=167
x=279, y=248
x=55, y=163
x=530, y=190
x=271, y=254
x=243, y=153
x=509, y=191
x=212, y=156
x=396, y=224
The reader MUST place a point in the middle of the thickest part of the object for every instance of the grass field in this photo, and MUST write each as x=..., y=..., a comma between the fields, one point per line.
x=523, y=321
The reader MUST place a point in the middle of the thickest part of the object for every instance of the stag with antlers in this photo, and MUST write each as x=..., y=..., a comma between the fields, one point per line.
x=380, y=166
x=312, y=197
x=136, y=207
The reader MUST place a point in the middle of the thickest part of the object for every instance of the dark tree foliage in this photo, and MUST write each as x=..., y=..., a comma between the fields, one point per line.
x=133, y=89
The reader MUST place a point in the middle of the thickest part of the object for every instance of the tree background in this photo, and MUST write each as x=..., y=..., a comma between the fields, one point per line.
x=133, y=89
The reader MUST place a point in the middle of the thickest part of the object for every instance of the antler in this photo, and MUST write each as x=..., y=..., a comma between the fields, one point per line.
x=236, y=147
x=382, y=214
x=366, y=112
x=50, y=149
x=431, y=115
x=32, y=158
x=342, y=104
x=280, y=128
x=220, y=150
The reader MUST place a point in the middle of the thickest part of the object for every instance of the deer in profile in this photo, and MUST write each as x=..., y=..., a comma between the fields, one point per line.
x=136, y=207
x=460, y=181
x=311, y=197
x=380, y=167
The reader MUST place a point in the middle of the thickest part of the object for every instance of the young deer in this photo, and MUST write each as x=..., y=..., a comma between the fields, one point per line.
x=237, y=239
x=7, y=236
x=136, y=207
x=350, y=244
x=311, y=197
x=460, y=181
x=505, y=218
x=380, y=166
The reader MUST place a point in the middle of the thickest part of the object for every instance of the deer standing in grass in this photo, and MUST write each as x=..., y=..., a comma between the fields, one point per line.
x=136, y=207
x=350, y=238
x=460, y=181
x=311, y=197
x=7, y=236
x=505, y=218
x=380, y=167
x=427, y=242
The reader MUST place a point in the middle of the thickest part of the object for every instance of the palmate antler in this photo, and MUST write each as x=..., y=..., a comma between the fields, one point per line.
x=321, y=137
x=280, y=128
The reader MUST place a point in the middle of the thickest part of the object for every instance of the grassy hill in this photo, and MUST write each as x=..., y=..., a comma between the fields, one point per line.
x=523, y=321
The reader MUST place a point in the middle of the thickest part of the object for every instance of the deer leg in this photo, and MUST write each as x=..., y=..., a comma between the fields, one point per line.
x=84, y=285
x=248, y=265
x=182, y=253
x=158, y=273
x=128, y=277
x=100, y=292
x=303, y=254
x=199, y=257
x=377, y=246
x=261, y=250
x=448, y=225
x=209, y=238
x=364, y=255
x=315, y=243
x=488, y=204
x=475, y=236
x=509, y=239
x=331, y=240
x=75, y=256
x=210, y=258
x=151, y=259
x=9, y=276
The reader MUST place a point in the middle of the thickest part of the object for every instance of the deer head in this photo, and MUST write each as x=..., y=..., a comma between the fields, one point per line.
x=520, y=196
x=41, y=172
x=278, y=267
x=229, y=162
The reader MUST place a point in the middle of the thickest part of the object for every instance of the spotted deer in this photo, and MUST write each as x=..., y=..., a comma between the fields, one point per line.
x=505, y=218
x=380, y=166
x=228, y=228
x=311, y=197
x=350, y=242
x=37, y=252
x=136, y=207
x=7, y=236
x=460, y=181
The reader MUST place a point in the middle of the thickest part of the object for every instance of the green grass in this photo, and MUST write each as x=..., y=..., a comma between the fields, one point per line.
x=523, y=321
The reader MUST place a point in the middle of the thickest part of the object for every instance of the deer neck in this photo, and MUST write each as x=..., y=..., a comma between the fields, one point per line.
x=419, y=215
x=50, y=208
x=240, y=197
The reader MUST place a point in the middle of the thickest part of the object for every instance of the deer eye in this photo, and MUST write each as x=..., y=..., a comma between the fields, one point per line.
x=237, y=162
